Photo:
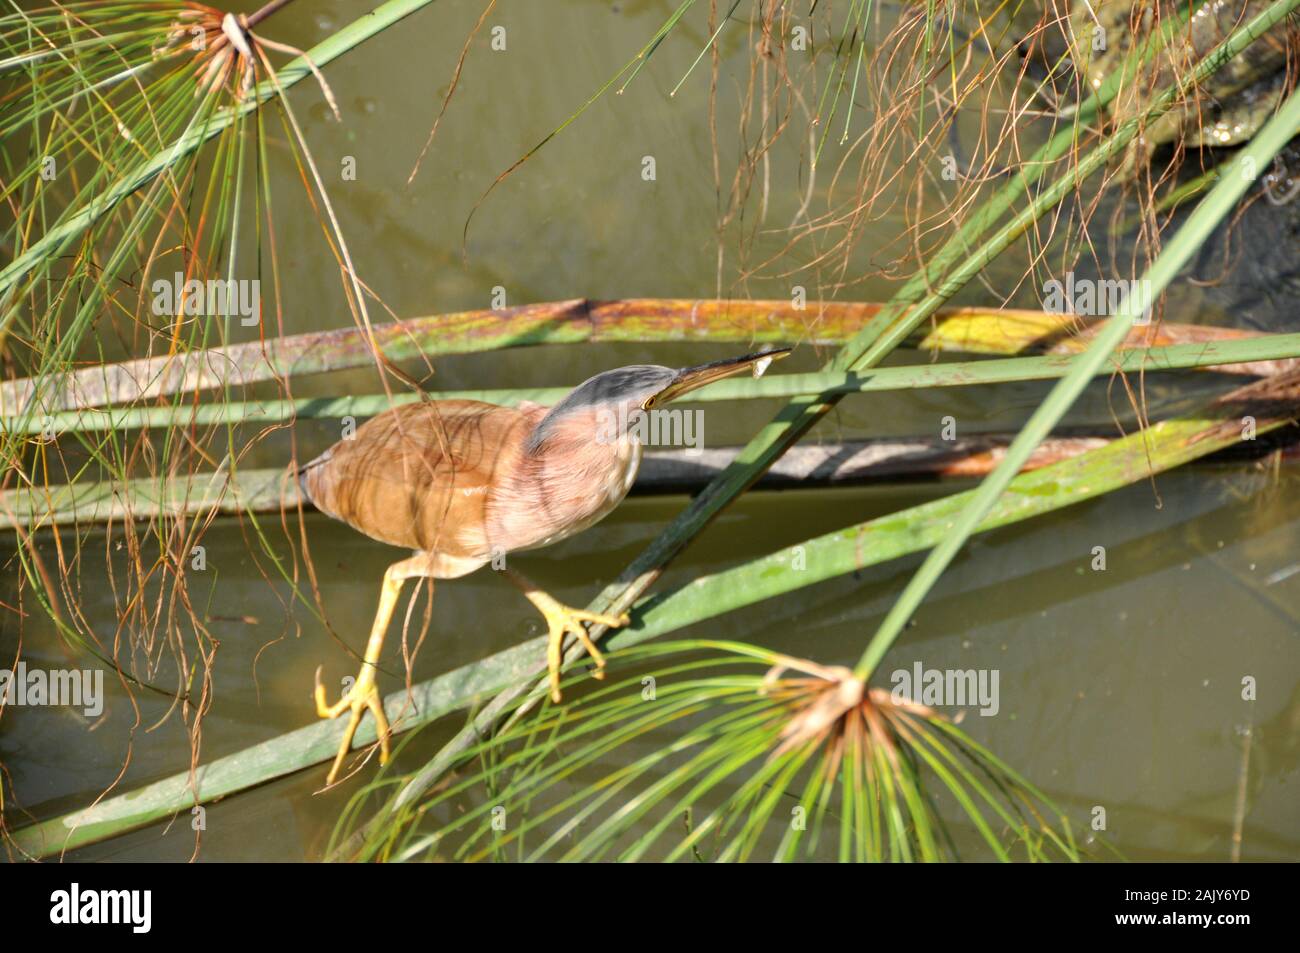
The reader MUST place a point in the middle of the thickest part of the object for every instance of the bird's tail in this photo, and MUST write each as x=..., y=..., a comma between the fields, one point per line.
x=304, y=475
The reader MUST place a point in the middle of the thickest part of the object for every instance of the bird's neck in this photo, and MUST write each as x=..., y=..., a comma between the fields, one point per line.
x=578, y=443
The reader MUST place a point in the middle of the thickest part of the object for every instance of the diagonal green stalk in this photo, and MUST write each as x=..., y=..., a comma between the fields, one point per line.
x=1236, y=179
x=1126, y=461
x=921, y=296
x=918, y=299
x=880, y=340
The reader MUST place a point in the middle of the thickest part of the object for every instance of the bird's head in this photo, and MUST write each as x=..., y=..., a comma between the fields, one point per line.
x=608, y=406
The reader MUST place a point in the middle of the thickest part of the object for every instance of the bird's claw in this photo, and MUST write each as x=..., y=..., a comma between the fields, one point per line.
x=361, y=696
x=562, y=620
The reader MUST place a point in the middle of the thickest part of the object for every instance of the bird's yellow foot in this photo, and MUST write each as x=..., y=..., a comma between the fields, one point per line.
x=560, y=621
x=362, y=695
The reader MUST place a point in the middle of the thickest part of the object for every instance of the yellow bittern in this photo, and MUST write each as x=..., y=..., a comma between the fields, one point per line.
x=464, y=482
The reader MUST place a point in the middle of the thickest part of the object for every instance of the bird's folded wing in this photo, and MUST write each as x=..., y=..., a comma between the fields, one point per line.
x=419, y=475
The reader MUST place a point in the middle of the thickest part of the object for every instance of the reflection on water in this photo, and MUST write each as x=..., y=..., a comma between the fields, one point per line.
x=1119, y=689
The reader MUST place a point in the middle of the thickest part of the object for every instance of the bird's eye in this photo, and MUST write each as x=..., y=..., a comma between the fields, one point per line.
x=649, y=402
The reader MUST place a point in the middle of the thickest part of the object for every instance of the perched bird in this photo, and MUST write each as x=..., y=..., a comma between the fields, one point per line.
x=462, y=482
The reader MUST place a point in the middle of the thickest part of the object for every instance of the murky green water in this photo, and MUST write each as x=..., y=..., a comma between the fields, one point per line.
x=1119, y=689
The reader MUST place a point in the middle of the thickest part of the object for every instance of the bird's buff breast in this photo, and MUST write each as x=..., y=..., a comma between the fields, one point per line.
x=570, y=500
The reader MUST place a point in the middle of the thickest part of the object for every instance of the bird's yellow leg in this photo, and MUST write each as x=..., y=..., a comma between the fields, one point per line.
x=364, y=693
x=560, y=621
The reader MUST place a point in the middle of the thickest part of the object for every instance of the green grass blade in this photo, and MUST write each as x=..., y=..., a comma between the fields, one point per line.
x=1239, y=176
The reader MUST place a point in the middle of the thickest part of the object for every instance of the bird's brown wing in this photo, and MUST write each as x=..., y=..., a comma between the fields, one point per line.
x=419, y=475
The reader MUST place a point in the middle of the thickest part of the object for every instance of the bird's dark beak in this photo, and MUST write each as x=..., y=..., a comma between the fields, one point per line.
x=693, y=378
